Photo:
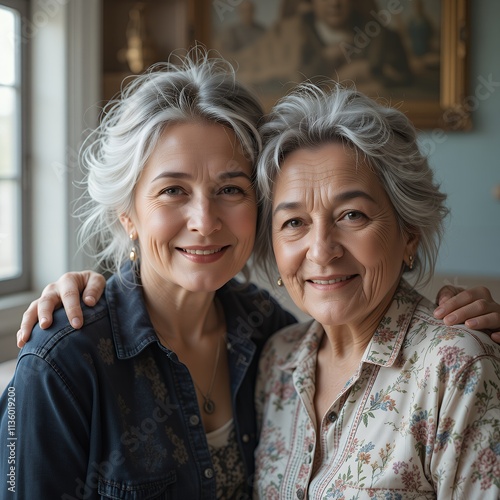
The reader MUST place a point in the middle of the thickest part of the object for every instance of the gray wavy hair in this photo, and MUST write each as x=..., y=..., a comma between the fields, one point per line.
x=382, y=136
x=189, y=87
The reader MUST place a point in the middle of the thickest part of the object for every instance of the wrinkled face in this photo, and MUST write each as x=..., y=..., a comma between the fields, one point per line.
x=195, y=208
x=335, y=13
x=336, y=240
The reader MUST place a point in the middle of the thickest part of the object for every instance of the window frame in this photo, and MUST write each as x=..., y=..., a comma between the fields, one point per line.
x=21, y=282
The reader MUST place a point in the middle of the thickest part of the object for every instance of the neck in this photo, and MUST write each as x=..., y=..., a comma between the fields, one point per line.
x=180, y=316
x=349, y=341
x=343, y=344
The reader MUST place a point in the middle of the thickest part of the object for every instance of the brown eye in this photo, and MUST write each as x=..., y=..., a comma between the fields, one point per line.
x=231, y=190
x=354, y=215
x=293, y=223
x=172, y=191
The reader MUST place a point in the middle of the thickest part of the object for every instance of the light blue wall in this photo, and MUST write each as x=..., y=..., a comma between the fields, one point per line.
x=468, y=163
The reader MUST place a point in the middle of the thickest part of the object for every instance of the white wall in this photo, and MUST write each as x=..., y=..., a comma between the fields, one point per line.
x=64, y=38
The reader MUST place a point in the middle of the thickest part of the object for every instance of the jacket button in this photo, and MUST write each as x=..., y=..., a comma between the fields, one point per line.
x=300, y=494
x=209, y=473
x=194, y=420
x=245, y=438
x=332, y=417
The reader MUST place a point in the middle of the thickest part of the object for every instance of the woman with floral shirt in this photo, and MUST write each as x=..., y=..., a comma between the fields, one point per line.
x=375, y=398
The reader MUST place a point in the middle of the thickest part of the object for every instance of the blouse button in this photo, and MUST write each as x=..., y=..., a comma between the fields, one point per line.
x=209, y=473
x=245, y=438
x=194, y=420
x=300, y=494
x=332, y=417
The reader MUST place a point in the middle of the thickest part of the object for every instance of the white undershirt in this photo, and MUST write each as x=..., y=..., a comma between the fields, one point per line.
x=220, y=437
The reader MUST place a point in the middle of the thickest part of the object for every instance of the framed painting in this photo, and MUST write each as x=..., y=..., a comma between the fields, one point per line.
x=410, y=53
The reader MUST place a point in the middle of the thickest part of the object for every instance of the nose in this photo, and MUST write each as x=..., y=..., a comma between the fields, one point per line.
x=324, y=246
x=203, y=216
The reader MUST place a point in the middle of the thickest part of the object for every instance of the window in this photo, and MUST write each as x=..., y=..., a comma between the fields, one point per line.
x=13, y=200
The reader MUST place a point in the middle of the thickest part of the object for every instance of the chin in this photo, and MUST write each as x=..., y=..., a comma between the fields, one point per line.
x=329, y=316
x=204, y=285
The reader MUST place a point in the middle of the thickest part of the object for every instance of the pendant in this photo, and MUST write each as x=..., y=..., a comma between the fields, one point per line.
x=208, y=406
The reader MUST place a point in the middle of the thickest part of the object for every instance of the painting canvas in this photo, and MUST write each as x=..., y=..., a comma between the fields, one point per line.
x=409, y=52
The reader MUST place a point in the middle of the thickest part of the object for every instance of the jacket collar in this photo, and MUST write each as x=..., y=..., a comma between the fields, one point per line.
x=133, y=331
x=130, y=323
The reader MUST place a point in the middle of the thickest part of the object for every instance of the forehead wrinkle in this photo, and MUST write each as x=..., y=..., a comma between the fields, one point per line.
x=299, y=192
x=320, y=182
x=183, y=166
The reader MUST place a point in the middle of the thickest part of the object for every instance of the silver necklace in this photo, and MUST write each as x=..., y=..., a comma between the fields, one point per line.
x=208, y=402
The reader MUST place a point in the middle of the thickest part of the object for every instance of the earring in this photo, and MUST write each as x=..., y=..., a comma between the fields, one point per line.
x=133, y=251
x=410, y=265
x=279, y=281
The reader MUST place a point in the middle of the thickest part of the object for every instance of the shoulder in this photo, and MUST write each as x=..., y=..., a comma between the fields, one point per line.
x=60, y=362
x=452, y=347
x=50, y=343
x=285, y=344
x=290, y=335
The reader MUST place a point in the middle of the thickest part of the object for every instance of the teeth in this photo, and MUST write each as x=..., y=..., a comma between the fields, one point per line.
x=330, y=282
x=201, y=252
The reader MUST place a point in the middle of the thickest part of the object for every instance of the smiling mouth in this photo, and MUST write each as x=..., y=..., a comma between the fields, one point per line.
x=331, y=282
x=202, y=252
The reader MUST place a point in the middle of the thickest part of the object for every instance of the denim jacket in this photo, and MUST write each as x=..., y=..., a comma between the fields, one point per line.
x=108, y=412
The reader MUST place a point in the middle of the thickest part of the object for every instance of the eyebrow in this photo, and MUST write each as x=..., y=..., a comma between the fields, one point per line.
x=350, y=195
x=183, y=175
x=345, y=196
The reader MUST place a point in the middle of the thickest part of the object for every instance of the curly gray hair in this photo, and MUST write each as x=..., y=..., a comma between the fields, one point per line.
x=382, y=136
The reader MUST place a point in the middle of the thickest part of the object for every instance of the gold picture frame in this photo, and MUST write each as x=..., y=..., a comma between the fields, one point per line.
x=279, y=47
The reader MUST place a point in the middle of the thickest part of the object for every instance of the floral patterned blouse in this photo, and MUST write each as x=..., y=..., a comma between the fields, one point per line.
x=228, y=466
x=419, y=419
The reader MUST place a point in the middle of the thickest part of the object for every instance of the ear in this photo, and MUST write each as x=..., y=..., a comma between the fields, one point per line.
x=412, y=242
x=128, y=225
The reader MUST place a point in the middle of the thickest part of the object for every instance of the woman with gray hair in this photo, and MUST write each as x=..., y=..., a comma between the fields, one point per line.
x=375, y=398
x=153, y=397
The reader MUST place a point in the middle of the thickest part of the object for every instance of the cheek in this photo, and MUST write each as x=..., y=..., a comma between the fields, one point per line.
x=383, y=253
x=243, y=222
x=161, y=224
x=288, y=255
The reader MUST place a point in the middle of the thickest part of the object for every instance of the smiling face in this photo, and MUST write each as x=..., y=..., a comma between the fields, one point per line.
x=336, y=239
x=195, y=208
